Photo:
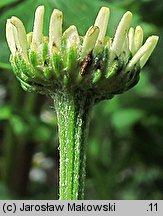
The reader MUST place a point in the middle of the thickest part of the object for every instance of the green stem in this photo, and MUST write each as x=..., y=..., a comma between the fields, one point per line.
x=73, y=120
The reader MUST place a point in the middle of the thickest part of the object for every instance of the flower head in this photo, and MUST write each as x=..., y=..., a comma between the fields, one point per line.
x=96, y=63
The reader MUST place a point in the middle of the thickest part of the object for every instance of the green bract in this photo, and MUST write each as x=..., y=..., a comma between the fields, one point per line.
x=93, y=63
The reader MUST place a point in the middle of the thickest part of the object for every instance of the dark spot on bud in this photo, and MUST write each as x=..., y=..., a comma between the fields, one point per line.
x=54, y=44
x=116, y=58
x=86, y=63
x=99, y=42
x=45, y=63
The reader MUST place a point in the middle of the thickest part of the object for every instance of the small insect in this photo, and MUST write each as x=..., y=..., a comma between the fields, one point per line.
x=86, y=63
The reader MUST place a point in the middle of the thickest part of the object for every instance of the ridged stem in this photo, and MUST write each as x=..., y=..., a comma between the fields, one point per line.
x=73, y=121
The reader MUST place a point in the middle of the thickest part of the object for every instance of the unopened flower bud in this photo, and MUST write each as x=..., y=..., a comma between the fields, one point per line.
x=93, y=63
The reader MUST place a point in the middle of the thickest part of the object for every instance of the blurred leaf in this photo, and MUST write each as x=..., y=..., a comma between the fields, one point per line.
x=6, y=2
x=124, y=119
x=4, y=195
x=19, y=126
x=5, y=112
x=43, y=133
x=31, y=128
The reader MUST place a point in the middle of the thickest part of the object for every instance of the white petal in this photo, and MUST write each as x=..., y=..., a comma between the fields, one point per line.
x=71, y=36
x=138, y=39
x=55, y=30
x=145, y=50
x=89, y=40
x=10, y=37
x=38, y=27
x=145, y=57
x=102, y=22
x=121, y=34
x=125, y=50
x=21, y=34
x=131, y=39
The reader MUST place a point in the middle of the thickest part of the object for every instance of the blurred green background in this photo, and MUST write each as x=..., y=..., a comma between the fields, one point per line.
x=125, y=149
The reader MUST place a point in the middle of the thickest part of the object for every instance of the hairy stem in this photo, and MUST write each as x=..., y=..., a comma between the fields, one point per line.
x=73, y=120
